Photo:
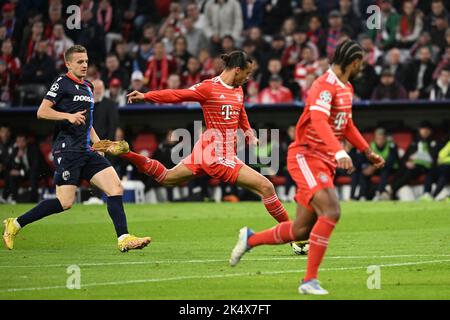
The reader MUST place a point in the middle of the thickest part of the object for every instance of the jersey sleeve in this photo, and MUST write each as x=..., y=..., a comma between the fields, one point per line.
x=199, y=93
x=56, y=92
x=320, y=97
x=353, y=136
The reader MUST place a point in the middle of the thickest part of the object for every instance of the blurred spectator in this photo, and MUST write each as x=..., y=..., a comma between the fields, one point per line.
x=256, y=36
x=93, y=73
x=440, y=88
x=393, y=63
x=91, y=36
x=121, y=51
x=293, y=54
x=174, y=20
x=12, y=62
x=115, y=92
x=222, y=17
x=193, y=74
x=443, y=172
x=6, y=85
x=6, y=149
x=150, y=33
x=174, y=81
x=198, y=19
x=276, y=47
x=308, y=83
x=444, y=62
x=3, y=35
x=41, y=68
x=195, y=37
x=387, y=149
x=420, y=75
x=274, y=67
x=424, y=40
x=410, y=25
x=306, y=12
x=253, y=13
x=136, y=14
x=181, y=54
x=252, y=92
x=275, y=12
x=323, y=64
x=217, y=65
x=307, y=65
x=276, y=92
x=54, y=17
x=336, y=29
x=22, y=165
x=137, y=82
x=114, y=70
x=58, y=44
x=227, y=44
x=106, y=114
x=373, y=56
x=350, y=19
x=169, y=38
x=438, y=10
x=30, y=43
x=418, y=160
x=159, y=67
x=364, y=82
x=389, y=88
x=144, y=53
x=207, y=64
x=105, y=15
x=438, y=33
x=9, y=20
x=384, y=38
x=288, y=29
x=316, y=33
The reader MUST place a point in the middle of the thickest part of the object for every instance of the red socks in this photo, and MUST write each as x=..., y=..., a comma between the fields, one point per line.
x=281, y=233
x=150, y=167
x=318, y=243
x=275, y=208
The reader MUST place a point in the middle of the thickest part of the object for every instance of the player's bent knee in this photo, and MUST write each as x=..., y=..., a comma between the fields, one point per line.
x=267, y=188
x=116, y=190
x=66, y=204
x=333, y=215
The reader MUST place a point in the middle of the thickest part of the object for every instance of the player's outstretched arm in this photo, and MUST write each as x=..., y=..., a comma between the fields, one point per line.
x=47, y=112
x=198, y=93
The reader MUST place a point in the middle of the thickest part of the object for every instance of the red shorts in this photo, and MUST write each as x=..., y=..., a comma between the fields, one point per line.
x=310, y=175
x=201, y=162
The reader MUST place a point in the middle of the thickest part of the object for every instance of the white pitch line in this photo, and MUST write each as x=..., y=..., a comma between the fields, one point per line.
x=217, y=276
x=201, y=261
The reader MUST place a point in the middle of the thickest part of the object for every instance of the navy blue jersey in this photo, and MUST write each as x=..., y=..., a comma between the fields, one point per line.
x=70, y=95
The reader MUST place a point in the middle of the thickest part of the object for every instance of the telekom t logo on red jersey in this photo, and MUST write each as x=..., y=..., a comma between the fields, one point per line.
x=340, y=120
x=226, y=110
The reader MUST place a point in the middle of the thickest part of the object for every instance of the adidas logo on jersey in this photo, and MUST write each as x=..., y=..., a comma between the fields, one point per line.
x=222, y=96
x=83, y=98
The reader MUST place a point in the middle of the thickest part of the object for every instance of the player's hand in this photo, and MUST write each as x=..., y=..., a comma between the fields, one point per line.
x=135, y=96
x=77, y=118
x=374, y=158
x=344, y=161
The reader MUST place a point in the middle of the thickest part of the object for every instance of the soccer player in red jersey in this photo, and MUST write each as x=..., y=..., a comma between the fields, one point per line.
x=312, y=160
x=222, y=102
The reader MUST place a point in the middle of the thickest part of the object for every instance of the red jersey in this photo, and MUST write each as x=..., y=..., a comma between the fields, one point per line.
x=223, y=111
x=327, y=119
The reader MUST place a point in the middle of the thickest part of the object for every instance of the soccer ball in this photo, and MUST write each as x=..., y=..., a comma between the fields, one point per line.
x=300, y=247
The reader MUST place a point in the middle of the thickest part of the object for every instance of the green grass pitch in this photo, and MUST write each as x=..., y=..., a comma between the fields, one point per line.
x=188, y=257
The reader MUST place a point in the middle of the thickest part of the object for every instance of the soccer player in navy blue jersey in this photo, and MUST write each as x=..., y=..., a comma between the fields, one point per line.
x=70, y=102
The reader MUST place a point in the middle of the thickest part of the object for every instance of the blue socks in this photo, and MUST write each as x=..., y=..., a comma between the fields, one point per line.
x=117, y=214
x=43, y=209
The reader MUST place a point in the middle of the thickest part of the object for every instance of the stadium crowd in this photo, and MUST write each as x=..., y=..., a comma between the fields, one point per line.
x=149, y=45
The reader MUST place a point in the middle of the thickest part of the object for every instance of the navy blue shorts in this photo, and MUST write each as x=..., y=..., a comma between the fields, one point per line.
x=72, y=167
